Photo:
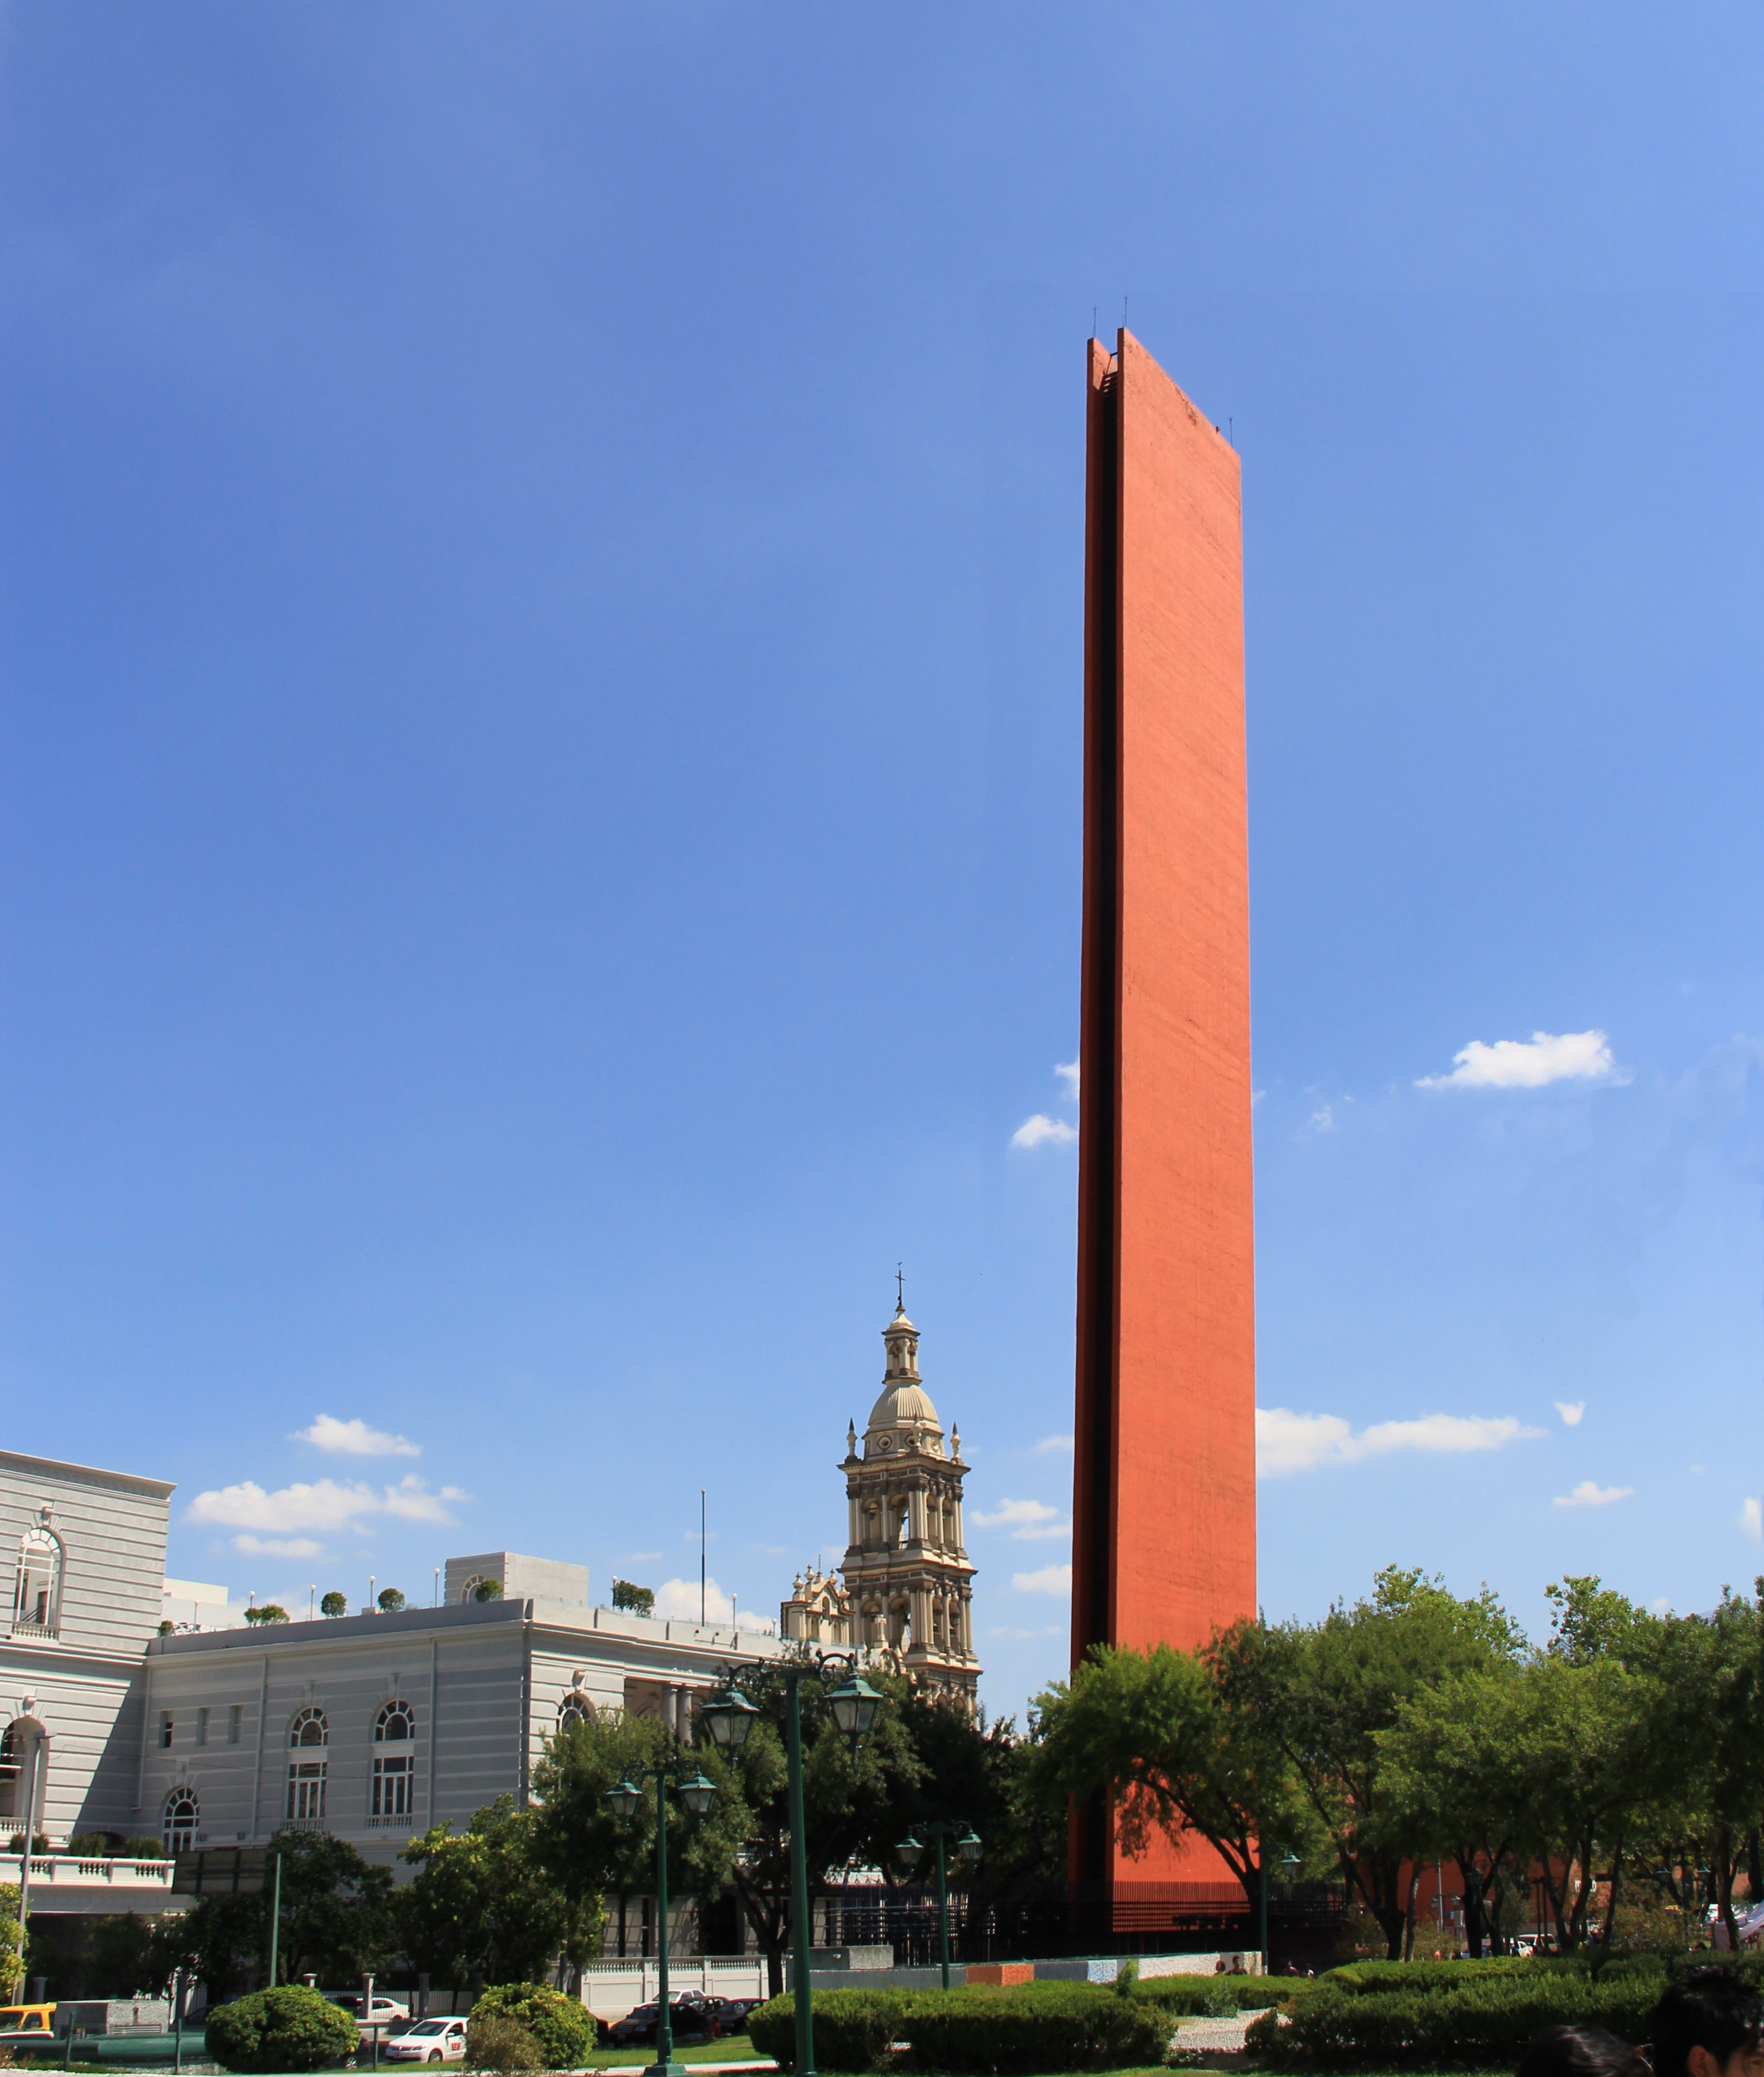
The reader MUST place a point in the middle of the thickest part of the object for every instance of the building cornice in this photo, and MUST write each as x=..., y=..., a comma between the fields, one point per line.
x=87, y=1474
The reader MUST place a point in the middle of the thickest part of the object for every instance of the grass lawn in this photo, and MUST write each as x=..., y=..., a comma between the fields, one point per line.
x=731, y=2048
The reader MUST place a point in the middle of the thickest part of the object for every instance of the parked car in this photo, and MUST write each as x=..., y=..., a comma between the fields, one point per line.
x=27, y=2019
x=387, y=2013
x=731, y=2013
x=690, y=2012
x=428, y=2040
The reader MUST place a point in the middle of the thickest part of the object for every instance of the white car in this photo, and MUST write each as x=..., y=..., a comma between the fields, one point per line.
x=387, y=2013
x=428, y=2040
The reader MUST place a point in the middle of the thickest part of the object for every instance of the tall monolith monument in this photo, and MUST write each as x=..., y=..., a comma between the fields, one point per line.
x=1164, y=1509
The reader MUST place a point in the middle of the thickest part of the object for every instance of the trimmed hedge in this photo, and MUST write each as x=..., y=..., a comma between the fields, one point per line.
x=982, y=2028
x=1036, y=2026
x=1482, y=2019
x=852, y=2029
x=290, y=2027
x=562, y=2028
x=1220, y=1996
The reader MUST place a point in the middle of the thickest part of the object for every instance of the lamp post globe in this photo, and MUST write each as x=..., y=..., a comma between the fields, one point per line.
x=854, y=1704
x=624, y=1796
x=728, y=1715
x=698, y=1792
x=968, y=1846
x=907, y=1852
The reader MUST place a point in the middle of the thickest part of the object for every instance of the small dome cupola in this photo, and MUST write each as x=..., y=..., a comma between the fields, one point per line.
x=902, y=1339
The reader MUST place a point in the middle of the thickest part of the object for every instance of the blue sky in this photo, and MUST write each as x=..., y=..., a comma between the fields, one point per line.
x=541, y=583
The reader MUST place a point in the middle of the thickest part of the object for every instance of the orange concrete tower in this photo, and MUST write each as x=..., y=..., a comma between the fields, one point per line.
x=1163, y=1506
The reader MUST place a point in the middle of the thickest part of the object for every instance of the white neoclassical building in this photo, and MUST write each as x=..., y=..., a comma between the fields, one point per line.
x=372, y=1726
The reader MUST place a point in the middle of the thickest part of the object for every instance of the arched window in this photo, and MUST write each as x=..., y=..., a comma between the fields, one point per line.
x=471, y=1587
x=36, y=1601
x=11, y=1772
x=394, y=1763
x=575, y=1708
x=183, y=1815
x=308, y=1736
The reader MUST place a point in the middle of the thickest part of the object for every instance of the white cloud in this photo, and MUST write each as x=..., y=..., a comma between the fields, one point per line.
x=1070, y=1070
x=354, y=1439
x=1589, y=1494
x=1027, y=1519
x=1519, y=1063
x=278, y=1546
x=642, y=1557
x=324, y=1504
x=1050, y=1580
x=679, y=1598
x=1752, y=1521
x=1570, y=1411
x=1055, y=1446
x=1034, y=1130
x=1662, y=1606
x=1289, y=1442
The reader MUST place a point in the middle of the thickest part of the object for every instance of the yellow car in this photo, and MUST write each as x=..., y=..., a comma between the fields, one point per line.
x=27, y=2019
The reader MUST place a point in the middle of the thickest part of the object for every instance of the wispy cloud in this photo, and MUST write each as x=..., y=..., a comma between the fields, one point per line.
x=1027, y=1519
x=1323, y=1120
x=1289, y=1442
x=642, y=1557
x=354, y=1439
x=1570, y=1411
x=679, y=1598
x=1047, y=1630
x=1050, y=1580
x=1752, y=1521
x=1069, y=1069
x=1588, y=1493
x=1033, y=1131
x=1051, y=1446
x=1521, y=1064
x=324, y=1504
x=278, y=1546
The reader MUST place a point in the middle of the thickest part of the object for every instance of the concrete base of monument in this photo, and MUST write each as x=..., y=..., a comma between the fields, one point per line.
x=1068, y=1969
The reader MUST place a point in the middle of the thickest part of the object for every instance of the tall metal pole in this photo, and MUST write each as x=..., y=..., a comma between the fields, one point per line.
x=275, y=1922
x=1261, y=1883
x=30, y=1830
x=664, y=2016
x=804, y=1999
x=943, y=1913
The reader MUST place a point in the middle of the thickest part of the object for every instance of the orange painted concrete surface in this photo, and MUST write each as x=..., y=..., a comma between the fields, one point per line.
x=1164, y=1498
x=1001, y=1972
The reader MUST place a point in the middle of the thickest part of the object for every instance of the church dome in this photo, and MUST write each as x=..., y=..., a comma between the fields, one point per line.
x=902, y=1406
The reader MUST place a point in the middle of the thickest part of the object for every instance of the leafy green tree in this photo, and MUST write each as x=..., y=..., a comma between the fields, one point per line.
x=1181, y=1745
x=391, y=1601
x=334, y=1604
x=1327, y=1690
x=626, y=1594
x=290, y=2028
x=851, y=1802
x=1445, y=1760
x=482, y=1907
x=11, y=1955
x=588, y=1852
x=270, y=1612
x=487, y=1590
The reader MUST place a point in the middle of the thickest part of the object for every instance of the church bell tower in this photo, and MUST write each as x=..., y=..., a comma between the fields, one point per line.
x=908, y=1577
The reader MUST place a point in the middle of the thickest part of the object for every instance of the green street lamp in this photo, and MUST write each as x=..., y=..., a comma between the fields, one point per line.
x=728, y=1715
x=698, y=1792
x=1289, y=1861
x=968, y=1844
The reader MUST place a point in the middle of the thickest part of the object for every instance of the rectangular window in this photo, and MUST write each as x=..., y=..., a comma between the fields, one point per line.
x=165, y=1730
x=393, y=1782
x=202, y=1727
x=236, y=1716
x=306, y=1791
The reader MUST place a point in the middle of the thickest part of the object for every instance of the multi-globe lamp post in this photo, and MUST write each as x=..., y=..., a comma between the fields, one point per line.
x=910, y=1851
x=728, y=1715
x=698, y=1792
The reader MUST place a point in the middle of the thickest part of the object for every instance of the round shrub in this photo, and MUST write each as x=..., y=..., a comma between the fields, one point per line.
x=852, y=2029
x=495, y=2040
x=289, y=2027
x=562, y=2029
